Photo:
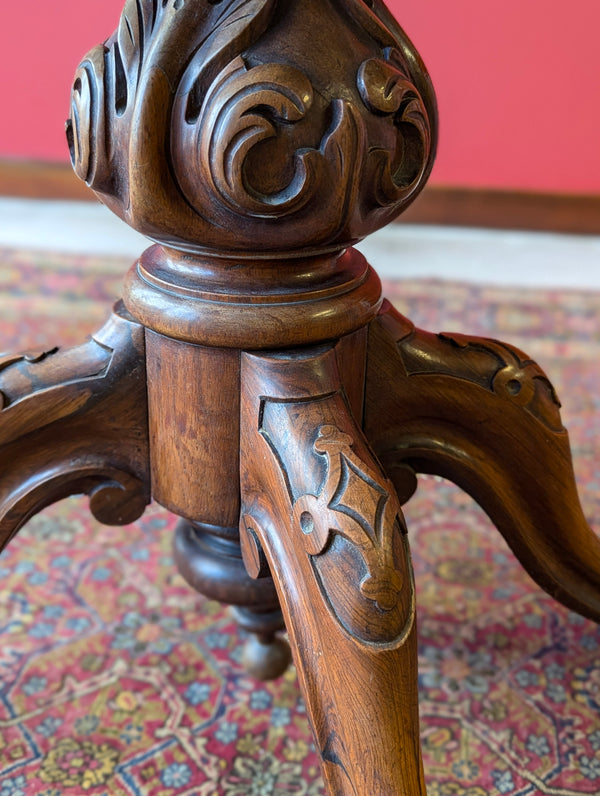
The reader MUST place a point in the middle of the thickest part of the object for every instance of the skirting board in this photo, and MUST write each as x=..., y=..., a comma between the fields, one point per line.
x=438, y=204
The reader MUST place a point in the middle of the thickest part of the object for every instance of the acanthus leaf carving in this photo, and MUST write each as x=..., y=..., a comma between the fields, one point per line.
x=104, y=89
x=387, y=89
x=242, y=109
x=129, y=46
x=238, y=23
x=197, y=124
x=246, y=107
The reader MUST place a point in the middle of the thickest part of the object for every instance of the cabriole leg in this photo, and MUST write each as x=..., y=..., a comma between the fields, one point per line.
x=76, y=422
x=482, y=414
x=315, y=500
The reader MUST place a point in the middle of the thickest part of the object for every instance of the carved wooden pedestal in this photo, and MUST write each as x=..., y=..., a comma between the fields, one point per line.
x=253, y=382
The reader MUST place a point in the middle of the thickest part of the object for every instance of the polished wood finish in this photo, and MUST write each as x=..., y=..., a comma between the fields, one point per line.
x=255, y=382
x=482, y=414
x=73, y=422
x=332, y=529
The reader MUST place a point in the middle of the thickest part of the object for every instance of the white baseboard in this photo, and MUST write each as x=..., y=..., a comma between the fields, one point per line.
x=399, y=251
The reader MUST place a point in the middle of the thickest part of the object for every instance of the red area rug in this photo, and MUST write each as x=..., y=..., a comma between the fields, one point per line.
x=115, y=678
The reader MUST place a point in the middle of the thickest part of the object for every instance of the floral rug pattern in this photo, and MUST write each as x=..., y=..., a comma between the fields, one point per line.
x=116, y=678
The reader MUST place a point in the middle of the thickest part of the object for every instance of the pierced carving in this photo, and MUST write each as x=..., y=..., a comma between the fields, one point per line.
x=199, y=126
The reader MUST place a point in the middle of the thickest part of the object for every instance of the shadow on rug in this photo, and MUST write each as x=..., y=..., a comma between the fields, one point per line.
x=115, y=678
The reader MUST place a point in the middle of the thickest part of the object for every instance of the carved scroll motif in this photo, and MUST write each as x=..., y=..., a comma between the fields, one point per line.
x=84, y=125
x=244, y=108
x=196, y=132
x=115, y=76
x=496, y=366
x=387, y=90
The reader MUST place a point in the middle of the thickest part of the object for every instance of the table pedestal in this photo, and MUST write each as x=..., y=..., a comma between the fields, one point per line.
x=254, y=382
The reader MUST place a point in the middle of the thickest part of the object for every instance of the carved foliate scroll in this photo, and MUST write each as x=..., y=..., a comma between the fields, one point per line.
x=242, y=123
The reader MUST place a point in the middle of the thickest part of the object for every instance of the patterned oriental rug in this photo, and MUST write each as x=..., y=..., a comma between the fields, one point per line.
x=116, y=678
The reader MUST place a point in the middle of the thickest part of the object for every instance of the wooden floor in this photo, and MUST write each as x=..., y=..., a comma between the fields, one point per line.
x=399, y=251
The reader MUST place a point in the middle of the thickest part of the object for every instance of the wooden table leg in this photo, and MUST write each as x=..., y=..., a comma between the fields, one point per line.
x=484, y=415
x=315, y=500
x=75, y=421
x=255, y=142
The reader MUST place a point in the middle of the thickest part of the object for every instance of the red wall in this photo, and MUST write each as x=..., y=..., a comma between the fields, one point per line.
x=518, y=84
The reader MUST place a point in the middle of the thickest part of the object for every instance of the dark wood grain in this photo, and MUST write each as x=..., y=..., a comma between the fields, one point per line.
x=332, y=529
x=193, y=391
x=254, y=383
x=191, y=126
x=76, y=421
x=484, y=415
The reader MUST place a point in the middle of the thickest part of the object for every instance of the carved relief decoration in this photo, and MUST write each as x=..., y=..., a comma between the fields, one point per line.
x=62, y=431
x=246, y=107
x=496, y=366
x=351, y=492
x=386, y=89
x=352, y=529
x=202, y=126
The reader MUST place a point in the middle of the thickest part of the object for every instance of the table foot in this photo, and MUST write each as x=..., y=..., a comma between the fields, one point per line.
x=209, y=558
x=266, y=654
